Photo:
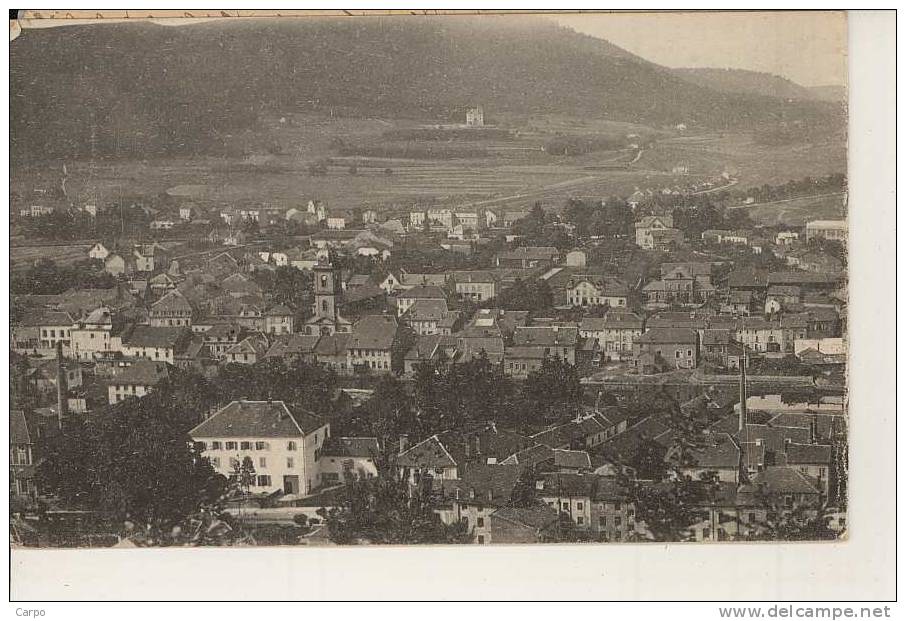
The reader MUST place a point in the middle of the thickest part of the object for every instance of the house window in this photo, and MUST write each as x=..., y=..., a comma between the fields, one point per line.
x=579, y=506
x=602, y=522
x=216, y=446
x=566, y=506
x=264, y=480
x=262, y=462
x=231, y=446
x=480, y=522
x=290, y=446
x=261, y=446
x=617, y=521
x=580, y=520
x=290, y=462
x=245, y=446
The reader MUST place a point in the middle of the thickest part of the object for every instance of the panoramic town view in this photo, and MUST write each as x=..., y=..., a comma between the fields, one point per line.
x=446, y=280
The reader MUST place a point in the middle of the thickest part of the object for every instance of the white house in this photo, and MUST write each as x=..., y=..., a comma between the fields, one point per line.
x=342, y=458
x=99, y=251
x=135, y=380
x=281, y=449
x=575, y=258
x=92, y=335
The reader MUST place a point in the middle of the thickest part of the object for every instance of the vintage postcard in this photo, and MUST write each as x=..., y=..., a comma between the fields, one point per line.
x=330, y=280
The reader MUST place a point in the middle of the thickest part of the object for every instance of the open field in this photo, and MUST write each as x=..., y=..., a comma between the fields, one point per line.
x=23, y=257
x=751, y=163
x=513, y=172
x=798, y=211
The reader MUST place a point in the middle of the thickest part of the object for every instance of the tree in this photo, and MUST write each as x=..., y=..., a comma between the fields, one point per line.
x=134, y=461
x=648, y=460
x=381, y=510
x=244, y=474
x=523, y=295
x=557, y=382
x=524, y=494
x=669, y=508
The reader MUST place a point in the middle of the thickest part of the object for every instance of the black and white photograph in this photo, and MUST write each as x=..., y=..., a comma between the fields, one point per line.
x=326, y=280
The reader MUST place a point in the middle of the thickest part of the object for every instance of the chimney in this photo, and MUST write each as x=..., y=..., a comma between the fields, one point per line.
x=62, y=391
x=404, y=443
x=743, y=397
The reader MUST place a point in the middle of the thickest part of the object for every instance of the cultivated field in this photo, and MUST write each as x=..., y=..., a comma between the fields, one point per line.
x=23, y=257
x=514, y=172
x=798, y=211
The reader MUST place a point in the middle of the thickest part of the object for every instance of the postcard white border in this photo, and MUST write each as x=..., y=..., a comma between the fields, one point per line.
x=859, y=569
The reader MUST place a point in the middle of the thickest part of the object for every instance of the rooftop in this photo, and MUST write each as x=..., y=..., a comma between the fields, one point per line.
x=257, y=419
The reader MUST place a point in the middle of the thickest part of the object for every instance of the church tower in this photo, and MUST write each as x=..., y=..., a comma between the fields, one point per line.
x=325, y=291
x=328, y=291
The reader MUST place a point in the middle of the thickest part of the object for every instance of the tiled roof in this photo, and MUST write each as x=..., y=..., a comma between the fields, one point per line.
x=257, y=419
x=18, y=428
x=827, y=424
x=720, y=452
x=490, y=484
x=564, y=458
x=223, y=331
x=154, y=336
x=668, y=336
x=424, y=292
x=333, y=344
x=531, y=456
x=373, y=332
x=172, y=301
x=802, y=278
x=140, y=373
x=546, y=336
x=527, y=352
x=716, y=337
x=351, y=447
x=783, y=480
x=253, y=344
x=808, y=454
x=48, y=318
x=479, y=276
x=435, y=280
x=429, y=453
x=293, y=344
x=426, y=310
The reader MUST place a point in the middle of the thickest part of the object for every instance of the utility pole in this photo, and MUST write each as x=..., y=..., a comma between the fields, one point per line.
x=743, y=415
x=62, y=391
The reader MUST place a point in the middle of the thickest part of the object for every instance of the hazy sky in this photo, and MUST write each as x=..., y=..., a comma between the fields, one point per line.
x=807, y=47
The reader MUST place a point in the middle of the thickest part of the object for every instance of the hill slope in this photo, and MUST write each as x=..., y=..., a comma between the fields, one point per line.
x=741, y=81
x=830, y=92
x=140, y=89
